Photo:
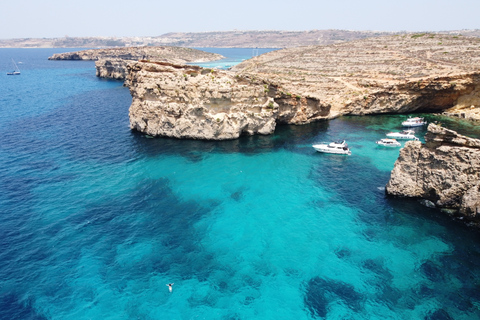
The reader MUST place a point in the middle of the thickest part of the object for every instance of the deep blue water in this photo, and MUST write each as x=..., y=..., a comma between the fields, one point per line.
x=95, y=220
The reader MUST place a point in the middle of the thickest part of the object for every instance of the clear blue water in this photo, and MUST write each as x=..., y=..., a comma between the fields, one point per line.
x=95, y=220
x=232, y=56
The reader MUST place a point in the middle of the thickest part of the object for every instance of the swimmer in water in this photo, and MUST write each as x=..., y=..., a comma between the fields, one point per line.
x=170, y=287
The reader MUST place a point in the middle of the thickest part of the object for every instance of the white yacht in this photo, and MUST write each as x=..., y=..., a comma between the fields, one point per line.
x=414, y=122
x=403, y=135
x=339, y=147
x=388, y=143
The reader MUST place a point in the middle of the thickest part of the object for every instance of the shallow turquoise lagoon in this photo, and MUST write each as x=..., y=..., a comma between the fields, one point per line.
x=96, y=219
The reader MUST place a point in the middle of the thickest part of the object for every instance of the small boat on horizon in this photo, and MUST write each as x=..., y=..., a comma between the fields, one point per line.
x=338, y=147
x=414, y=122
x=403, y=135
x=16, y=72
x=388, y=143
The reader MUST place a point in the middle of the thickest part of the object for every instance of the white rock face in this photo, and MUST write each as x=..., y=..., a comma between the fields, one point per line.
x=111, y=69
x=446, y=171
x=191, y=102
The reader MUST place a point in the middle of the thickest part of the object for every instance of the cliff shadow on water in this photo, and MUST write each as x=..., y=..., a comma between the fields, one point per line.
x=284, y=137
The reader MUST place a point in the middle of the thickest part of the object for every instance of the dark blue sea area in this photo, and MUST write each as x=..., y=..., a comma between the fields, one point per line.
x=96, y=220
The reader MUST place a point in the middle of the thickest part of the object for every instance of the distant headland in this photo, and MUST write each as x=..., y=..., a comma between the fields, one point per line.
x=392, y=74
x=234, y=39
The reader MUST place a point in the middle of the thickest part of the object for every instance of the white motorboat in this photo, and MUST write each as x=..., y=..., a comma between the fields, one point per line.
x=339, y=147
x=388, y=143
x=414, y=122
x=403, y=135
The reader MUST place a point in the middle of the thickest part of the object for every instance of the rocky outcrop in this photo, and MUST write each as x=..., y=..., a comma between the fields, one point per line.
x=396, y=74
x=192, y=102
x=445, y=171
x=169, y=54
x=111, y=69
x=411, y=73
x=111, y=63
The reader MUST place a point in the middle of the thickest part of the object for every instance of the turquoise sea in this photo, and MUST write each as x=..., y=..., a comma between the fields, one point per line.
x=96, y=220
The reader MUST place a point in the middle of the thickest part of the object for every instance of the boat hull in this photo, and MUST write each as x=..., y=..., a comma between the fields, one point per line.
x=406, y=124
x=388, y=145
x=325, y=149
x=414, y=122
x=399, y=136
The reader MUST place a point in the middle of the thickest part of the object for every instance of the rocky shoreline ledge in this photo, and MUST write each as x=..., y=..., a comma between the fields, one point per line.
x=395, y=74
x=444, y=172
x=111, y=63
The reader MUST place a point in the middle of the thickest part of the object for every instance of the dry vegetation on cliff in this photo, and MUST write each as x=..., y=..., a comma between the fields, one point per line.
x=354, y=76
x=395, y=74
x=237, y=38
x=163, y=53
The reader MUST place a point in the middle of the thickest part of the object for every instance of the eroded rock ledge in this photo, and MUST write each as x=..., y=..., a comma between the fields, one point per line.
x=410, y=73
x=111, y=62
x=192, y=102
x=445, y=170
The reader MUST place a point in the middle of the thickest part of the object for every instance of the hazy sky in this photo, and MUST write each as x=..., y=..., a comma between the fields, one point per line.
x=58, y=18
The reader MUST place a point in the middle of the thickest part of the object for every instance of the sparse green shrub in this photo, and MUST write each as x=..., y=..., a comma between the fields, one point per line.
x=418, y=35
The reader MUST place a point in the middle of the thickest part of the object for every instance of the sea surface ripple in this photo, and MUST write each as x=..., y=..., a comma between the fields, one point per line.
x=96, y=220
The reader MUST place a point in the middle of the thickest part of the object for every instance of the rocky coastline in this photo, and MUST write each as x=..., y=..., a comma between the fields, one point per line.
x=111, y=63
x=396, y=74
x=444, y=172
x=191, y=102
x=230, y=39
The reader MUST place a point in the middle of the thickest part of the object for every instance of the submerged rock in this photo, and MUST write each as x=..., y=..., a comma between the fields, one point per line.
x=445, y=170
x=321, y=292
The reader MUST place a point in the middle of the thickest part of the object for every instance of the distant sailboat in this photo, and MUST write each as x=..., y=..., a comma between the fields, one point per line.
x=16, y=72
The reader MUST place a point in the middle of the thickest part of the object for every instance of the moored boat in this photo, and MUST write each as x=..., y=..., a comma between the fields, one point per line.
x=339, y=147
x=414, y=122
x=403, y=135
x=388, y=143
x=16, y=72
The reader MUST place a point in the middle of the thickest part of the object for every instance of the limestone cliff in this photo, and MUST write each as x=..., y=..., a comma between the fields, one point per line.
x=111, y=63
x=410, y=73
x=191, y=102
x=396, y=74
x=163, y=53
x=445, y=170
x=111, y=69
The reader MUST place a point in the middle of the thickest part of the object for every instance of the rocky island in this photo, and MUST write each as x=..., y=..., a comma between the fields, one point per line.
x=445, y=171
x=393, y=74
x=111, y=62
